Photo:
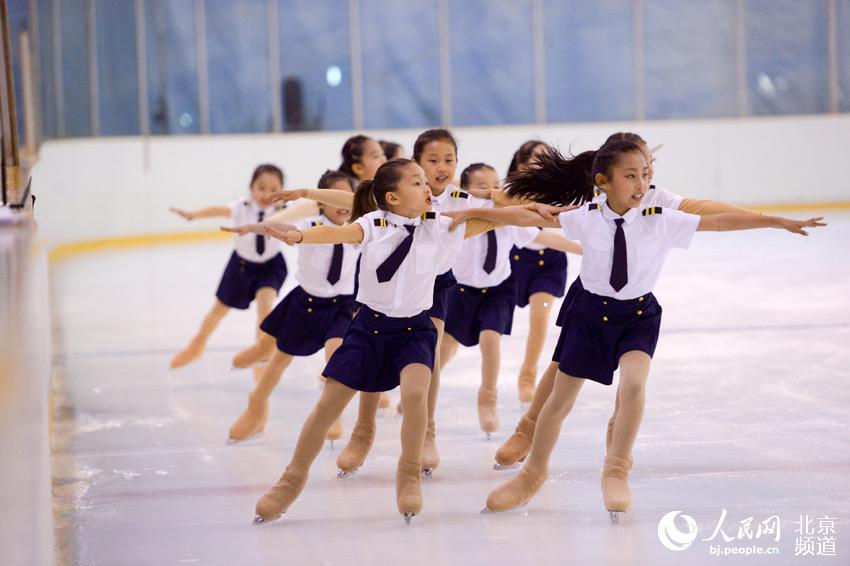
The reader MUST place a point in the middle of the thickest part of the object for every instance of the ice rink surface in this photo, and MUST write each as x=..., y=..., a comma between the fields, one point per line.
x=747, y=411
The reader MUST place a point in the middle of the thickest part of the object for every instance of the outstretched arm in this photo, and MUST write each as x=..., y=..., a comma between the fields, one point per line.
x=348, y=234
x=706, y=207
x=261, y=228
x=558, y=242
x=298, y=211
x=728, y=221
x=529, y=215
x=208, y=212
x=332, y=197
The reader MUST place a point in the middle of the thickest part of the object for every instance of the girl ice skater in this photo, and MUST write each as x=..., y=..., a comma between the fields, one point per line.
x=256, y=269
x=314, y=315
x=611, y=318
x=436, y=152
x=541, y=277
x=481, y=305
x=516, y=447
x=392, y=340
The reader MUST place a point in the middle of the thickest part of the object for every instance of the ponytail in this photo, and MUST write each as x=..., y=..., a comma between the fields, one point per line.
x=554, y=179
x=371, y=194
x=364, y=200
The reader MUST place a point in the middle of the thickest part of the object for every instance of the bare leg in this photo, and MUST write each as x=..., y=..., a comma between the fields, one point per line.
x=199, y=342
x=488, y=417
x=522, y=488
x=516, y=447
x=335, y=396
x=253, y=419
x=335, y=432
x=540, y=305
x=265, y=298
x=448, y=349
x=415, y=379
x=354, y=454
x=634, y=371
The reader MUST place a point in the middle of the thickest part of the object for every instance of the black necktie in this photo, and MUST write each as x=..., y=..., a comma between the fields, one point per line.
x=336, y=265
x=387, y=269
x=490, y=256
x=619, y=269
x=260, y=241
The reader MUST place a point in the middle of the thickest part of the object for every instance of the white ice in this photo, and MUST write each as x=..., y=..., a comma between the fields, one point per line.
x=747, y=410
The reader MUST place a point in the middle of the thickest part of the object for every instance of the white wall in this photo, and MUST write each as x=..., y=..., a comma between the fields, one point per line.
x=106, y=187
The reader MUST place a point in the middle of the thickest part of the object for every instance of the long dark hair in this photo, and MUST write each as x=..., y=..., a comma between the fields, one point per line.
x=556, y=179
x=524, y=153
x=626, y=136
x=428, y=136
x=371, y=194
x=352, y=152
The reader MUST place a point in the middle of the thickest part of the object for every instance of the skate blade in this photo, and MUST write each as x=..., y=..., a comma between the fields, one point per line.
x=614, y=516
x=486, y=511
x=427, y=473
x=342, y=474
x=408, y=517
x=231, y=441
x=489, y=435
x=500, y=467
x=260, y=521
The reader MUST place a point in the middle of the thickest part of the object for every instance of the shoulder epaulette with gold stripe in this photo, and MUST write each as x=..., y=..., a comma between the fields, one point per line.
x=593, y=206
x=459, y=194
x=381, y=222
x=429, y=215
x=595, y=193
x=651, y=186
x=316, y=223
x=651, y=210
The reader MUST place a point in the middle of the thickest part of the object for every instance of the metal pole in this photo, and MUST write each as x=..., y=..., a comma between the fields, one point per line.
x=9, y=118
x=94, y=91
x=58, y=83
x=741, y=57
x=203, y=82
x=142, y=68
x=274, y=64
x=832, y=39
x=35, y=50
x=28, y=92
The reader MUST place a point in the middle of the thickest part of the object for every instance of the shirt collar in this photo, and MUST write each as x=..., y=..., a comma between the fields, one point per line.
x=611, y=215
x=443, y=196
x=399, y=220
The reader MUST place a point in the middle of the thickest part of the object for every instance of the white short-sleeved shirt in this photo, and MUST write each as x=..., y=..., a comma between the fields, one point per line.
x=314, y=262
x=411, y=290
x=469, y=265
x=650, y=233
x=653, y=197
x=451, y=199
x=245, y=210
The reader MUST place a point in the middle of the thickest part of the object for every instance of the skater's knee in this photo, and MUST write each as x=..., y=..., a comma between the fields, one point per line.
x=632, y=390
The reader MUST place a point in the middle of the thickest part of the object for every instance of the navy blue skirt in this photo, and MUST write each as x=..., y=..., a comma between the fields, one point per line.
x=302, y=323
x=377, y=347
x=596, y=331
x=242, y=279
x=443, y=286
x=538, y=271
x=473, y=309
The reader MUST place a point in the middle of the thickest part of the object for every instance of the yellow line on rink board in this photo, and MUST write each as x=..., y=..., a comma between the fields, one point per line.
x=65, y=251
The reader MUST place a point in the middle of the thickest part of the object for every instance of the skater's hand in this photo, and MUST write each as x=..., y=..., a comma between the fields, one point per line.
x=287, y=195
x=289, y=237
x=458, y=217
x=549, y=212
x=185, y=214
x=796, y=226
x=480, y=193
